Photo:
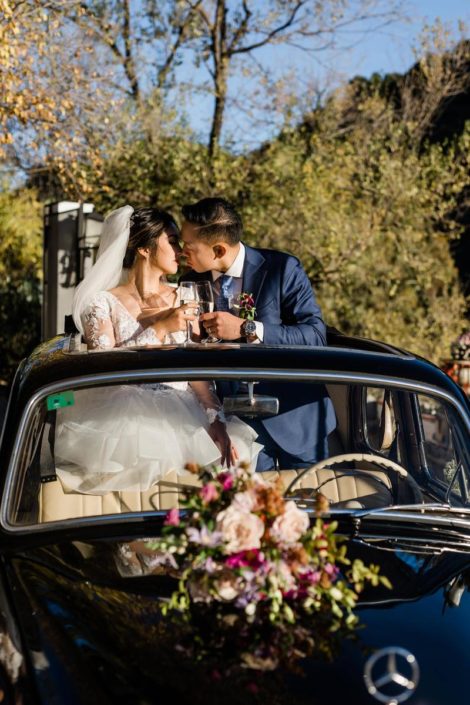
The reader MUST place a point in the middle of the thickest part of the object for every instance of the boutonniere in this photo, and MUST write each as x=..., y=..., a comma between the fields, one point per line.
x=246, y=305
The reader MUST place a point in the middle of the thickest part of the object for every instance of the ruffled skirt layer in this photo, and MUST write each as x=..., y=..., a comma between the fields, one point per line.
x=129, y=437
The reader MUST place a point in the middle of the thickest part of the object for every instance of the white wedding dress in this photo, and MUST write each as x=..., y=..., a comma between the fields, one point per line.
x=128, y=437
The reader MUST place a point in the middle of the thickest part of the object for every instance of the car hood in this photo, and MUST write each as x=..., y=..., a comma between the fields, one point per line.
x=92, y=635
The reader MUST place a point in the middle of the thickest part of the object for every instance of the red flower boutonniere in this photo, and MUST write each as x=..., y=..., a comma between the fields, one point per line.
x=246, y=304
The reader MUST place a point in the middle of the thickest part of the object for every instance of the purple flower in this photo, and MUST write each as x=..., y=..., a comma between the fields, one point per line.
x=203, y=536
x=209, y=565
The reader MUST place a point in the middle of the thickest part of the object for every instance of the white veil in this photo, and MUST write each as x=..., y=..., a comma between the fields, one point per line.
x=107, y=271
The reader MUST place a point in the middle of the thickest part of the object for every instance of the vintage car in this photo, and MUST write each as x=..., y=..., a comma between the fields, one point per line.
x=77, y=627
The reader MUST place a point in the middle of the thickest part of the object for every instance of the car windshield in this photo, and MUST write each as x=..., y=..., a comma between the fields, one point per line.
x=114, y=449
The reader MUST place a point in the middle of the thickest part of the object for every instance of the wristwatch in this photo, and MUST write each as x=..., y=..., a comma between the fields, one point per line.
x=248, y=329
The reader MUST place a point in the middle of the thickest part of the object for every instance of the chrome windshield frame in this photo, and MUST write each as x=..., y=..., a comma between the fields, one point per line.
x=180, y=374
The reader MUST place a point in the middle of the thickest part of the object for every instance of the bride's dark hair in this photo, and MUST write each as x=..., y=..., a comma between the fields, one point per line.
x=147, y=224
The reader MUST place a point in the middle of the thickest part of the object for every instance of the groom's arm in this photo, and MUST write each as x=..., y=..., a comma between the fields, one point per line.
x=302, y=322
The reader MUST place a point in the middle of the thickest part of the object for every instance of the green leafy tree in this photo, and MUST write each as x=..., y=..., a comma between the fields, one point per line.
x=372, y=219
x=20, y=276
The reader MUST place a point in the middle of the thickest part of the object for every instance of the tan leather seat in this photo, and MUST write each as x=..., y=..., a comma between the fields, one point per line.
x=342, y=491
x=56, y=505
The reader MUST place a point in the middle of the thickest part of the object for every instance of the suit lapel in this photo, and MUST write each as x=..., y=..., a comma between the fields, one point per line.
x=254, y=272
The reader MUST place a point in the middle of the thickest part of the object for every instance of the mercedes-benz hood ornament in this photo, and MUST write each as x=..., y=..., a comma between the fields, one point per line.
x=391, y=675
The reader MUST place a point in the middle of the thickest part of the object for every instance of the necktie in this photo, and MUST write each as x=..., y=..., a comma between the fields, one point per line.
x=223, y=293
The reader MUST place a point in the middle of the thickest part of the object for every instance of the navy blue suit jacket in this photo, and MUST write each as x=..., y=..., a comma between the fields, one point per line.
x=286, y=305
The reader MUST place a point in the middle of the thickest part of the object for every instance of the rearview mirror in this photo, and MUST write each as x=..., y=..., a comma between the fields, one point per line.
x=251, y=405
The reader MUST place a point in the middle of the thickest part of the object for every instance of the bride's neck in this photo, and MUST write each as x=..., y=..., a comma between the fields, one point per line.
x=147, y=280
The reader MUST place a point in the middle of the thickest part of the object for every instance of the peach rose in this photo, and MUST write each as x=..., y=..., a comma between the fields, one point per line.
x=240, y=530
x=245, y=501
x=290, y=526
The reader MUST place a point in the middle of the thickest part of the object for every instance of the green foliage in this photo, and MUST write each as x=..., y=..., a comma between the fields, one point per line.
x=20, y=267
x=371, y=218
x=166, y=170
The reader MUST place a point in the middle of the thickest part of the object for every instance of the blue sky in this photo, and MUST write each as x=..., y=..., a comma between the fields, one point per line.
x=389, y=49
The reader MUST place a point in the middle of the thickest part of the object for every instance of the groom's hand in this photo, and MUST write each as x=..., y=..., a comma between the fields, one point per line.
x=222, y=325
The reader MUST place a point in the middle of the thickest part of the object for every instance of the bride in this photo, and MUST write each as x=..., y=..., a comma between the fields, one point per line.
x=129, y=436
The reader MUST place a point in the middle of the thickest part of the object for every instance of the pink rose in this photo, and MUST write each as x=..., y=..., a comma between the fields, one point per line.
x=226, y=480
x=240, y=530
x=172, y=518
x=254, y=559
x=228, y=483
x=289, y=527
x=209, y=493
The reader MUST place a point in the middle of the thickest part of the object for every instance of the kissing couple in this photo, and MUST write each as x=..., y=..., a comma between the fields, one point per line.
x=125, y=301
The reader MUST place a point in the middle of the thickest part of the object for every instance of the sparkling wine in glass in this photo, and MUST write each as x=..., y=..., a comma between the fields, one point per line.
x=189, y=295
x=205, y=296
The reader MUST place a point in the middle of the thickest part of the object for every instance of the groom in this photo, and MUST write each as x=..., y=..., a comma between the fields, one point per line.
x=286, y=314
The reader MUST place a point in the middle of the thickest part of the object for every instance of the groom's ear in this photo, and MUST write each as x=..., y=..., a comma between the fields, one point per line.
x=219, y=250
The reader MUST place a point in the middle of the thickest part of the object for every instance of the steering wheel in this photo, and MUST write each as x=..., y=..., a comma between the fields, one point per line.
x=356, y=457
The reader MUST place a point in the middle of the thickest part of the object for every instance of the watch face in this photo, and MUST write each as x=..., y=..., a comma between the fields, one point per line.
x=249, y=328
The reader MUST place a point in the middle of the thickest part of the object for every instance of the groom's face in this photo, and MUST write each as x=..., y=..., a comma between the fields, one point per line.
x=199, y=255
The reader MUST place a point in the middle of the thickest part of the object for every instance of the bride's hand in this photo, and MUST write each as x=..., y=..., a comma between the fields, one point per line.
x=172, y=320
x=218, y=432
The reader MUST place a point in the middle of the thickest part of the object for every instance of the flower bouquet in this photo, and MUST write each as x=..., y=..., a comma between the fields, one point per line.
x=259, y=586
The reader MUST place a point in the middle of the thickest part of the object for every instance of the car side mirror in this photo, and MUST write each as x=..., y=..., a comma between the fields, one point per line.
x=251, y=405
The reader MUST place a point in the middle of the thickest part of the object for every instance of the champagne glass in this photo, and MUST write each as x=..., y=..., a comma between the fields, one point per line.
x=206, y=305
x=189, y=295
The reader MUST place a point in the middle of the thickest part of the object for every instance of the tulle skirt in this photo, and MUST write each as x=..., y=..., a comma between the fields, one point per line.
x=129, y=437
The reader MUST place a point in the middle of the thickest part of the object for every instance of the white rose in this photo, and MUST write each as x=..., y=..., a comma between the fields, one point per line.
x=240, y=530
x=284, y=576
x=228, y=587
x=290, y=526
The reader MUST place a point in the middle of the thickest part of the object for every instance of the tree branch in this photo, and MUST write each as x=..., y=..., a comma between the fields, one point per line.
x=181, y=36
x=129, y=66
x=273, y=33
x=242, y=28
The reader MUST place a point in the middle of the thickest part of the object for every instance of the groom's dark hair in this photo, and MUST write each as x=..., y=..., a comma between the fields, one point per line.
x=215, y=219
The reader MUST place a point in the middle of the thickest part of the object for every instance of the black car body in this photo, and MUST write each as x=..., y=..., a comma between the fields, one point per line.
x=76, y=629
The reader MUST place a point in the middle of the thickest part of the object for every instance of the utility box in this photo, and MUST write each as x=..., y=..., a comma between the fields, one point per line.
x=72, y=233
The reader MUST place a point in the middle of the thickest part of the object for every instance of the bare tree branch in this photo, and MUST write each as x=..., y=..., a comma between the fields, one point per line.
x=242, y=28
x=182, y=34
x=273, y=33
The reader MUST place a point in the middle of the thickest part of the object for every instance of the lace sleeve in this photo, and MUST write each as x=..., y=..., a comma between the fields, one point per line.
x=209, y=400
x=97, y=324
x=148, y=337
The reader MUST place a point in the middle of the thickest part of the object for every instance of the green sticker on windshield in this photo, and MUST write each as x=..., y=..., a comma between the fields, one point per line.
x=57, y=401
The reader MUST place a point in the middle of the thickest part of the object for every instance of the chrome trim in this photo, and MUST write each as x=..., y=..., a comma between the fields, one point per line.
x=190, y=373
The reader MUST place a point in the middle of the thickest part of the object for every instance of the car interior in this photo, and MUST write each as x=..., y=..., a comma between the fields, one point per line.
x=374, y=461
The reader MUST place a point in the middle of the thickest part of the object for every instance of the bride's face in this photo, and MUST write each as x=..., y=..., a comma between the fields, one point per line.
x=167, y=252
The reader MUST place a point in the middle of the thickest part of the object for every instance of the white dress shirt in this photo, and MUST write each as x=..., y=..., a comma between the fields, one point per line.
x=236, y=272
